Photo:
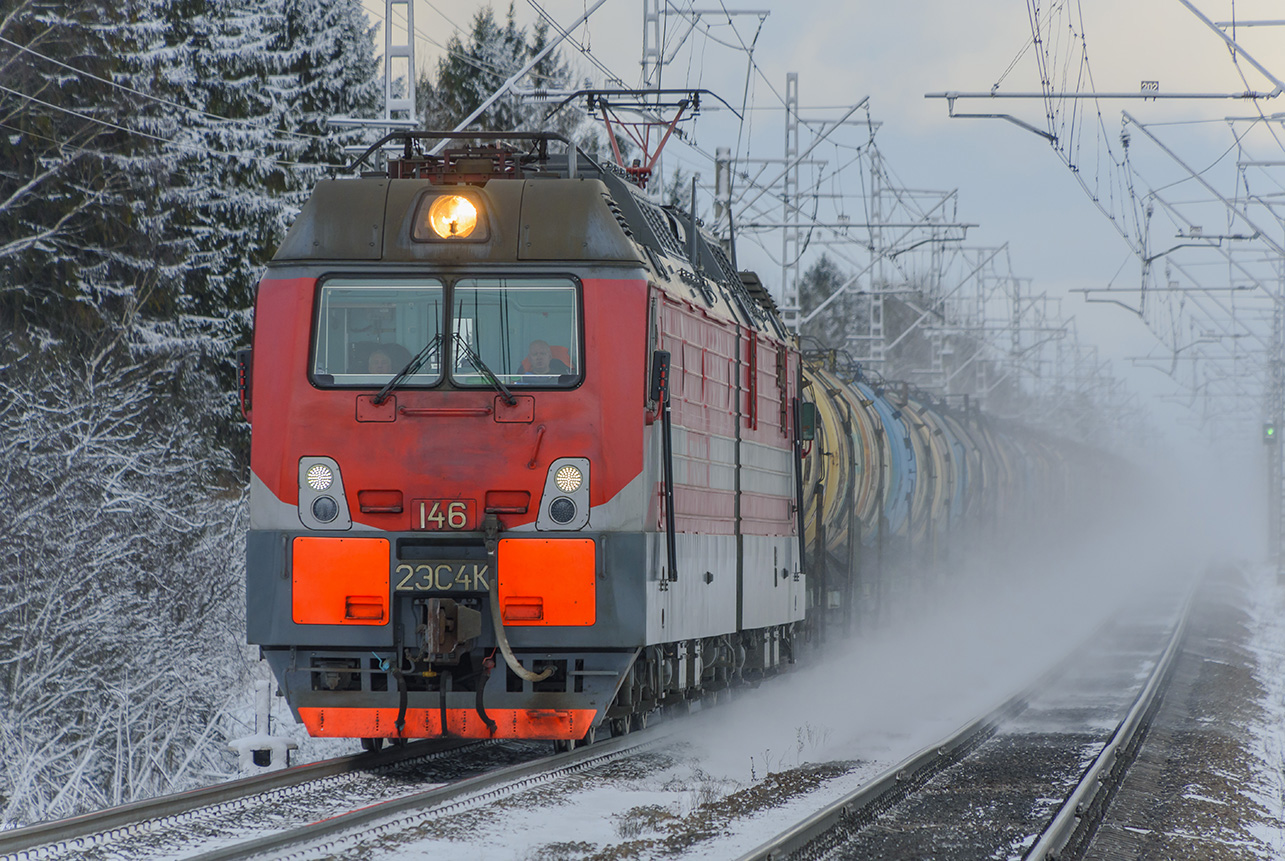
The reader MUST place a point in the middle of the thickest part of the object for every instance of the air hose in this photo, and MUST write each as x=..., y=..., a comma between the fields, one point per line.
x=483, y=677
x=503, y=642
x=400, y=723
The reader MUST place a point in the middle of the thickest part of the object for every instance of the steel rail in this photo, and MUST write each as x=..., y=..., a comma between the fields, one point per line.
x=1078, y=818
x=890, y=786
x=492, y=784
x=123, y=818
x=867, y=801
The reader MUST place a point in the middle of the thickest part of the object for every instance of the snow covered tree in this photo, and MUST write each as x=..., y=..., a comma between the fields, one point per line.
x=153, y=154
x=471, y=72
x=85, y=240
x=260, y=80
x=119, y=583
x=328, y=69
x=468, y=74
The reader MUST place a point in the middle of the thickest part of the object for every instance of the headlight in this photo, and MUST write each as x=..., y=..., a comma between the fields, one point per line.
x=319, y=477
x=564, y=502
x=452, y=216
x=568, y=479
x=322, y=501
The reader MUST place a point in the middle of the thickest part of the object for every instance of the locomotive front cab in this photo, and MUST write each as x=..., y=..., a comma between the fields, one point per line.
x=433, y=510
x=470, y=513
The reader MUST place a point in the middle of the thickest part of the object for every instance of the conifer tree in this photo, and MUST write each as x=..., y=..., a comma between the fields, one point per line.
x=472, y=71
x=143, y=184
x=85, y=243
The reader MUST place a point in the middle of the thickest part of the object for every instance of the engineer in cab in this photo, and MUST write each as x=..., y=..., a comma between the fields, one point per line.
x=541, y=361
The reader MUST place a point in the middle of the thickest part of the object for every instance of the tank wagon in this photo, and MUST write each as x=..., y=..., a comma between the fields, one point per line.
x=899, y=484
x=528, y=455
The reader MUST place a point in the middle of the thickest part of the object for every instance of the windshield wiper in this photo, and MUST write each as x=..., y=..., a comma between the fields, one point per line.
x=481, y=366
x=417, y=361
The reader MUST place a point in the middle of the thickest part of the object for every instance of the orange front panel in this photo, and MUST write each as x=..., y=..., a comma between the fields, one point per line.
x=547, y=581
x=461, y=723
x=340, y=581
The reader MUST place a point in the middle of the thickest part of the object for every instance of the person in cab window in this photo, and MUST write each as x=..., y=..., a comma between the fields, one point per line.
x=540, y=360
x=379, y=363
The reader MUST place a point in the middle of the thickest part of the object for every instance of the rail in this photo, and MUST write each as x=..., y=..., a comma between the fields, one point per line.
x=121, y=818
x=492, y=784
x=1073, y=825
x=860, y=806
x=889, y=787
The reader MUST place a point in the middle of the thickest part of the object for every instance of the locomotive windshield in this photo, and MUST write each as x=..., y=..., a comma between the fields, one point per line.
x=368, y=330
x=525, y=330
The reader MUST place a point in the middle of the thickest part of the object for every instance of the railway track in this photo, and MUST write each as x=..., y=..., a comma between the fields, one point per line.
x=132, y=828
x=371, y=804
x=964, y=795
x=244, y=818
x=373, y=823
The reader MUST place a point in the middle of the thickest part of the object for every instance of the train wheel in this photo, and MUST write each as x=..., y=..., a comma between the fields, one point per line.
x=370, y=745
x=619, y=727
x=562, y=745
x=639, y=720
x=589, y=738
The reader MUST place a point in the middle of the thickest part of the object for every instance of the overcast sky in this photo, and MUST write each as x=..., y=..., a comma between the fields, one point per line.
x=1010, y=181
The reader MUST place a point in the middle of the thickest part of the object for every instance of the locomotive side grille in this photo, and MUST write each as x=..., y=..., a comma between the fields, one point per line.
x=659, y=225
x=726, y=274
x=619, y=214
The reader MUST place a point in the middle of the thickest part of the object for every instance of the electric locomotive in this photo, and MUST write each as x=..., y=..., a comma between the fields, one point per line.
x=525, y=452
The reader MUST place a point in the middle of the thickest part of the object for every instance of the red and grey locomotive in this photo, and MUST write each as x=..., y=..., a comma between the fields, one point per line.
x=525, y=453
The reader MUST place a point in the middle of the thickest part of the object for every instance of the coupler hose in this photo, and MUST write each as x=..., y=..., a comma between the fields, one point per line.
x=441, y=702
x=487, y=665
x=503, y=642
x=401, y=701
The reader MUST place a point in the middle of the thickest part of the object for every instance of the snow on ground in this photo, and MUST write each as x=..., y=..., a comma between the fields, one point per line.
x=1266, y=605
x=735, y=774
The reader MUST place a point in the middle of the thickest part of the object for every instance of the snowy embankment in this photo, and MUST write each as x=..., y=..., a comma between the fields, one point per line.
x=1265, y=600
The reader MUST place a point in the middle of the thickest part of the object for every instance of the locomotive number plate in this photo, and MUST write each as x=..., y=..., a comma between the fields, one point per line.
x=443, y=577
x=443, y=514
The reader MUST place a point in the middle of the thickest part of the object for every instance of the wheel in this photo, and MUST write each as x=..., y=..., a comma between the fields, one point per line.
x=619, y=727
x=562, y=745
x=639, y=720
x=589, y=738
x=400, y=742
x=370, y=745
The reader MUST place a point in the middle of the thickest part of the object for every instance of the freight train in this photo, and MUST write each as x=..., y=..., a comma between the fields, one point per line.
x=531, y=458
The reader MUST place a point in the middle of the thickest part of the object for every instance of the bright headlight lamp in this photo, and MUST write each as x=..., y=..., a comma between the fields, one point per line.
x=568, y=479
x=452, y=216
x=319, y=477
